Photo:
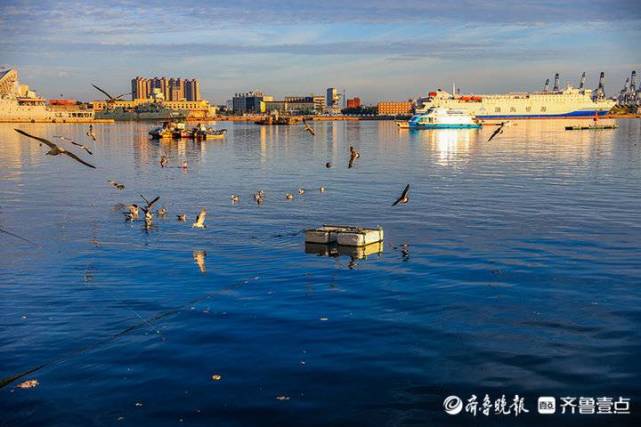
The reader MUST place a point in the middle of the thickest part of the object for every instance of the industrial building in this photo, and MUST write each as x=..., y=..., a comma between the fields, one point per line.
x=249, y=102
x=354, y=102
x=394, y=108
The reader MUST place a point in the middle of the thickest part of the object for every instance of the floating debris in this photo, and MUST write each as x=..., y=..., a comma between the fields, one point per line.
x=138, y=404
x=28, y=384
x=282, y=397
x=346, y=235
x=216, y=377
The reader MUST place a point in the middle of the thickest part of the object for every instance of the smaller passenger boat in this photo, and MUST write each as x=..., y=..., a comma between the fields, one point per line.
x=443, y=118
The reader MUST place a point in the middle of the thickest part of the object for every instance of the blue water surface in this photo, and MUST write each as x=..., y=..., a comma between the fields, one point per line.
x=514, y=269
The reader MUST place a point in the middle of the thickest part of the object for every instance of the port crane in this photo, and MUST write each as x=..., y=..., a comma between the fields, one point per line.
x=599, y=93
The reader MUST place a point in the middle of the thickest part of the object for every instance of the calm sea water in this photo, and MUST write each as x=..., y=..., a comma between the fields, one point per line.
x=514, y=269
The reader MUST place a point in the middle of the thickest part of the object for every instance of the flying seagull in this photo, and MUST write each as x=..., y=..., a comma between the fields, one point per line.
x=405, y=197
x=55, y=149
x=149, y=204
x=111, y=98
x=90, y=133
x=498, y=131
x=308, y=128
x=200, y=219
x=83, y=146
x=353, y=155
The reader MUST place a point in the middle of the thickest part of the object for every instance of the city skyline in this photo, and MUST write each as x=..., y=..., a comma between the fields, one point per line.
x=372, y=50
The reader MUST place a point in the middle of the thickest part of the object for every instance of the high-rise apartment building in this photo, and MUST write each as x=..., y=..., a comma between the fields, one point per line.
x=172, y=89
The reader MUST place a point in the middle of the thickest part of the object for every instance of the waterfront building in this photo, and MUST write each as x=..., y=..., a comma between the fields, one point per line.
x=292, y=106
x=333, y=101
x=354, y=102
x=394, y=108
x=250, y=102
x=317, y=101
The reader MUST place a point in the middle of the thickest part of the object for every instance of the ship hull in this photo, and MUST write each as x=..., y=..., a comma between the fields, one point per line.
x=570, y=115
x=444, y=126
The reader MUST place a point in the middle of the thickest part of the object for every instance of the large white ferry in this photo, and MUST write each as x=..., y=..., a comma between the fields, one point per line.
x=570, y=102
x=20, y=104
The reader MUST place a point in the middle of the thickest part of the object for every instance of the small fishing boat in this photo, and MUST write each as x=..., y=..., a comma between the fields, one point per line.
x=180, y=131
x=202, y=132
x=165, y=131
x=443, y=118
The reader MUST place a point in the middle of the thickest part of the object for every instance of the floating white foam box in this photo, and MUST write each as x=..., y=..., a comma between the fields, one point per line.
x=325, y=234
x=346, y=235
x=360, y=237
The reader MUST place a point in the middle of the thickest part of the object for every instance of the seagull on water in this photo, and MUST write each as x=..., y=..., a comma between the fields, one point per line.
x=181, y=217
x=163, y=161
x=200, y=219
x=55, y=150
x=133, y=212
x=116, y=185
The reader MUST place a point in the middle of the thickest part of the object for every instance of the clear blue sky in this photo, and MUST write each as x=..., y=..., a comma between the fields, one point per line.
x=374, y=49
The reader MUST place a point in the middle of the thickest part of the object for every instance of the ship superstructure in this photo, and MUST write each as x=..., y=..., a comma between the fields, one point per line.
x=568, y=102
x=18, y=103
